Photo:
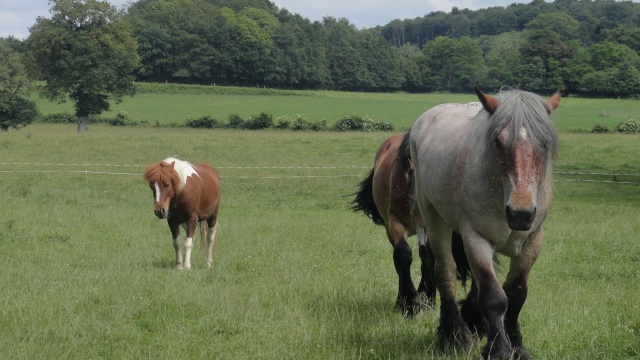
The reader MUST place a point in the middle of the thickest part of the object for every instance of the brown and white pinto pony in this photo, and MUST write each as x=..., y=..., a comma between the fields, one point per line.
x=186, y=195
x=386, y=196
x=484, y=170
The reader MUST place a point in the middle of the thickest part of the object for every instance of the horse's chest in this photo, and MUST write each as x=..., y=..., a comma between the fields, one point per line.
x=513, y=244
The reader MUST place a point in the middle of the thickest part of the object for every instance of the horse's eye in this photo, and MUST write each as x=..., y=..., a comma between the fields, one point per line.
x=497, y=143
x=166, y=185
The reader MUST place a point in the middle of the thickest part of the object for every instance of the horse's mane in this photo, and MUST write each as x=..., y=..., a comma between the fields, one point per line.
x=161, y=172
x=522, y=109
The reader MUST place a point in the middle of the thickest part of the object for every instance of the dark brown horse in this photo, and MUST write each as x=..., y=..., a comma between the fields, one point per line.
x=186, y=195
x=386, y=196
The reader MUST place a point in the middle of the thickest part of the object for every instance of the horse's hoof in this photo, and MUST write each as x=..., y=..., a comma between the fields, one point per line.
x=519, y=353
x=490, y=352
x=458, y=337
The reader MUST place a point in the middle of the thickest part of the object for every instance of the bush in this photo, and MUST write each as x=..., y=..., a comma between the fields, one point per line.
x=301, y=123
x=205, y=122
x=600, y=129
x=357, y=123
x=258, y=122
x=318, y=126
x=235, y=121
x=630, y=127
x=122, y=119
x=283, y=122
x=60, y=118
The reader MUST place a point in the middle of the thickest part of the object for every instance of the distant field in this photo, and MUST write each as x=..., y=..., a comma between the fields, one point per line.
x=399, y=108
x=87, y=268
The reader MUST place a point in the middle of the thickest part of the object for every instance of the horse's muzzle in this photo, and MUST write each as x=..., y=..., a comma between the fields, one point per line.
x=521, y=219
x=161, y=214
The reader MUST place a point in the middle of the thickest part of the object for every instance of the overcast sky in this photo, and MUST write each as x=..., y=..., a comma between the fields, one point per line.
x=16, y=16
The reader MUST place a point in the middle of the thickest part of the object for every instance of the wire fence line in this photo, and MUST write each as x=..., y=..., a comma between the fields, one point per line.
x=271, y=176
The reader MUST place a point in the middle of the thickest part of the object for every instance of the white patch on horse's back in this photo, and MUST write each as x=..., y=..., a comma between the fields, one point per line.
x=183, y=168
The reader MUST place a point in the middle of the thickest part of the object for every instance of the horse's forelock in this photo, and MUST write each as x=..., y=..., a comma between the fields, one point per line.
x=524, y=109
x=160, y=172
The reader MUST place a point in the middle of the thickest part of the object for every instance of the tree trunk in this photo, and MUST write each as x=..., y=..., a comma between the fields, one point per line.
x=82, y=124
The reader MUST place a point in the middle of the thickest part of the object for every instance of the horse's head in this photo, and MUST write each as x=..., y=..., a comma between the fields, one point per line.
x=524, y=141
x=162, y=181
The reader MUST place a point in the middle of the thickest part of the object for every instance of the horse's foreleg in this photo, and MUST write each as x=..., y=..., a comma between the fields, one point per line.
x=175, y=233
x=452, y=329
x=516, y=289
x=402, y=259
x=192, y=224
x=491, y=298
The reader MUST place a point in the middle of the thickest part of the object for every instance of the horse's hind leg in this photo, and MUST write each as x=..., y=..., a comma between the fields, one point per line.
x=212, y=235
x=402, y=259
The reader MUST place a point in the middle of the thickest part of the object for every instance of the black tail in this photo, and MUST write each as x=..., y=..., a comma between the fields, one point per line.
x=464, y=269
x=364, y=200
x=404, y=155
x=457, y=248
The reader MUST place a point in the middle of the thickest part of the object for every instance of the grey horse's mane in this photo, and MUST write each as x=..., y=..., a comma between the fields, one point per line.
x=522, y=109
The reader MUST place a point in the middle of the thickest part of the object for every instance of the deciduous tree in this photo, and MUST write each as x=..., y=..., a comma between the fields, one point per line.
x=84, y=52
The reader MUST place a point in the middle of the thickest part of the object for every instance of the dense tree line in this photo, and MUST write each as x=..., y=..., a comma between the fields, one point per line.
x=585, y=47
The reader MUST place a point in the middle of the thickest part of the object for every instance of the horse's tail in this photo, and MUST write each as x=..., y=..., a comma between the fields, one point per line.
x=364, y=200
x=460, y=257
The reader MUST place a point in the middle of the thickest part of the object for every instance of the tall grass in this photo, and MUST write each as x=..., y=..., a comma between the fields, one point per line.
x=87, y=268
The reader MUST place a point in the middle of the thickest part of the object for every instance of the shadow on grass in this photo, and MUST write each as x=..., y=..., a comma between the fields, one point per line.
x=372, y=328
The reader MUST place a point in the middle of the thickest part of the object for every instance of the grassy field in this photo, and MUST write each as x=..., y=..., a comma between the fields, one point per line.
x=87, y=269
x=399, y=108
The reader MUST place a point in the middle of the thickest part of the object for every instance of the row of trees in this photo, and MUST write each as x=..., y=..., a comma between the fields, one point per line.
x=91, y=52
x=585, y=47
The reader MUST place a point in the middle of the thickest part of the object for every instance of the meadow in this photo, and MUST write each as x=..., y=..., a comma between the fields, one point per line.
x=87, y=269
x=167, y=104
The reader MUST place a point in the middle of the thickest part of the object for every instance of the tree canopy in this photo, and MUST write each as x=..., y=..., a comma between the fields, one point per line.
x=15, y=109
x=580, y=46
x=84, y=52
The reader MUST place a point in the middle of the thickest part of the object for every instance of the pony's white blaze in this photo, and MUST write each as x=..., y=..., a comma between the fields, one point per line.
x=184, y=170
x=157, y=192
x=524, y=135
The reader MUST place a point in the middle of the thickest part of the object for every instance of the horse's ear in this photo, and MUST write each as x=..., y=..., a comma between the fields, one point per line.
x=171, y=166
x=489, y=103
x=554, y=100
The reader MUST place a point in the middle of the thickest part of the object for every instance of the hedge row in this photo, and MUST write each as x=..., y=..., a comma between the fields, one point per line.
x=632, y=126
x=255, y=122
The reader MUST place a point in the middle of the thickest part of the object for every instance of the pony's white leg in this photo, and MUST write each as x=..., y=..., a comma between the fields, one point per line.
x=176, y=247
x=188, y=246
x=211, y=240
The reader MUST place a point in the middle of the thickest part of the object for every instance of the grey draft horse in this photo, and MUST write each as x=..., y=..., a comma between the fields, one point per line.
x=484, y=170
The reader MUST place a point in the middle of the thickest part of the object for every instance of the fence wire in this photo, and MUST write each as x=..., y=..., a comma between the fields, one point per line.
x=576, y=176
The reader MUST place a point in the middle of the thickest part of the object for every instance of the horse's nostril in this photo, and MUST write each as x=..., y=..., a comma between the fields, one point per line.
x=520, y=219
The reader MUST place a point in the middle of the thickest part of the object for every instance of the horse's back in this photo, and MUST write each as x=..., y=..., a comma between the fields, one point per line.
x=438, y=138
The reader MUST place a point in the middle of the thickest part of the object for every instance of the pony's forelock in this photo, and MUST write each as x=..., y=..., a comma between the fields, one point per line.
x=161, y=172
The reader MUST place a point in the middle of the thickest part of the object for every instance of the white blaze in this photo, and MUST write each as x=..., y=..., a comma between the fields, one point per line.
x=157, y=191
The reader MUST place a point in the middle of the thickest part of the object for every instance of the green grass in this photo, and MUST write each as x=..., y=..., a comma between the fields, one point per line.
x=165, y=107
x=87, y=269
